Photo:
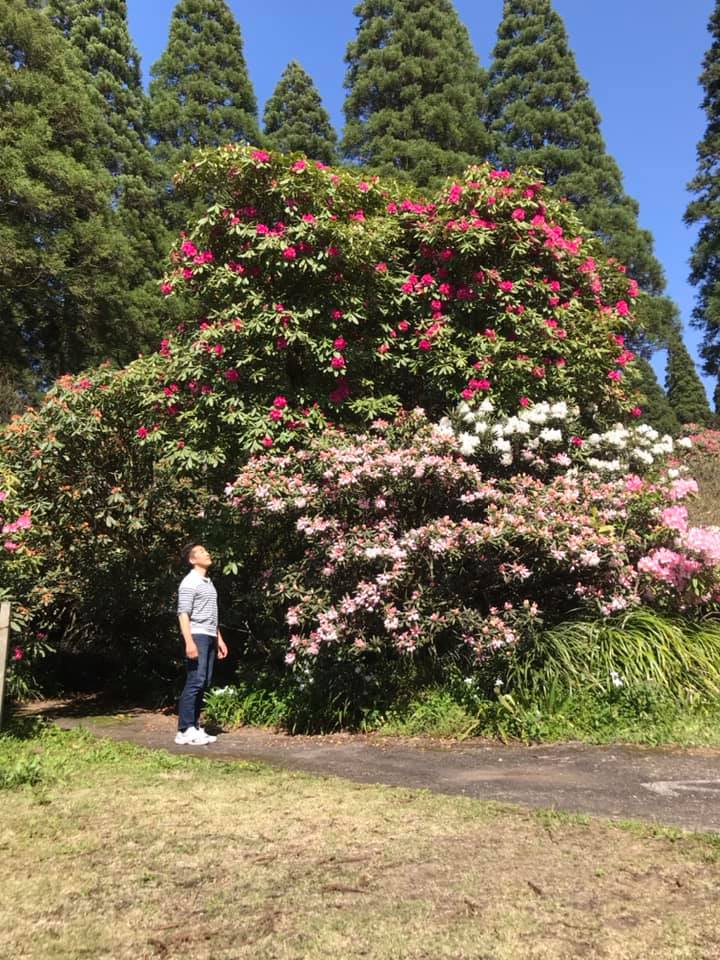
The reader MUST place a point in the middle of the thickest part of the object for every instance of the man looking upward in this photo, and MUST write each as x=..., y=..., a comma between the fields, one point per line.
x=198, y=616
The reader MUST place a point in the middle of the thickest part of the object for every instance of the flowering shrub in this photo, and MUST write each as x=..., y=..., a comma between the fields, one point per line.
x=319, y=298
x=395, y=538
x=348, y=300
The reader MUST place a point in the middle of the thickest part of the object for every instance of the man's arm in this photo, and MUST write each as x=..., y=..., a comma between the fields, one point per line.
x=221, y=647
x=191, y=650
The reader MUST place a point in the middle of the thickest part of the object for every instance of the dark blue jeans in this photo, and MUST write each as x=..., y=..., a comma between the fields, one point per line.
x=199, y=677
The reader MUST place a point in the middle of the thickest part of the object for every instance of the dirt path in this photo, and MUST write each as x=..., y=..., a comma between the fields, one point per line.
x=671, y=787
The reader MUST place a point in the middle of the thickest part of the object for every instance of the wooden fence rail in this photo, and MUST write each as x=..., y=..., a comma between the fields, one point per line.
x=4, y=644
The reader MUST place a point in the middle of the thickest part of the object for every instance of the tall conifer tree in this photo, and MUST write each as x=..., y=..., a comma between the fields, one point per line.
x=295, y=119
x=414, y=91
x=684, y=388
x=63, y=258
x=200, y=93
x=704, y=210
x=655, y=403
x=541, y=115
x=98, y=29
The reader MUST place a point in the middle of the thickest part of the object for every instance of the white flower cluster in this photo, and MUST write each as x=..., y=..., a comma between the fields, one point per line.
x=541, y=434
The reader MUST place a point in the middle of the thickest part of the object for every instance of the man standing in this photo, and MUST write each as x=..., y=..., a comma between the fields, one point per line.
x=198, y=616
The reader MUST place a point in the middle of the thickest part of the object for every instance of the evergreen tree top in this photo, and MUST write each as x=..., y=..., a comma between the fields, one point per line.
x=542, y=115
x=704, y=208
x=295, y=119
x=200, y=92
x=415, y=90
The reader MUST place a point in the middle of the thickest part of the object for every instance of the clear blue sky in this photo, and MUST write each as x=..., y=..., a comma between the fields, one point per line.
x=642, y=59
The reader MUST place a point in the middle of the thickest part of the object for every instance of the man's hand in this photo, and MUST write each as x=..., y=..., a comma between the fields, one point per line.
x=191, y=650
x=221, y=648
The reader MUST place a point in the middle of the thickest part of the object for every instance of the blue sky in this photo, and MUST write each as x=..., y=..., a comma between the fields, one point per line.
x=642, y=59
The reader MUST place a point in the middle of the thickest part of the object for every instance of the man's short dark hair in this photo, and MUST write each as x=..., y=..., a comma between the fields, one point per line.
x=187, y=550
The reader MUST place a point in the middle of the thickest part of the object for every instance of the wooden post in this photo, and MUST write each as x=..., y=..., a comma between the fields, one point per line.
x=4, y=643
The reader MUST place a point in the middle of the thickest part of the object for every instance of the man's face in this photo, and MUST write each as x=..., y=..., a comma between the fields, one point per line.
x=200, y=557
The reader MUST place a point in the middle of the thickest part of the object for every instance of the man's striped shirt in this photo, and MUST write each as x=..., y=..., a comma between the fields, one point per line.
x=198, y=598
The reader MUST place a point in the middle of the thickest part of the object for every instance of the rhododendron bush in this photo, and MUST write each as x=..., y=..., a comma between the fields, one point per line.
x=396, y=538
x=318, y=301
x=348, y=299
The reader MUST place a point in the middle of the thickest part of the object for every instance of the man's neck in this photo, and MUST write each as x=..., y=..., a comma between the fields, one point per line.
x=203, y=571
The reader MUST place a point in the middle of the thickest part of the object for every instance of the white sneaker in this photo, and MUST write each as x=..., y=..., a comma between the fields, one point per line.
x=208, y=736
x=192, y=737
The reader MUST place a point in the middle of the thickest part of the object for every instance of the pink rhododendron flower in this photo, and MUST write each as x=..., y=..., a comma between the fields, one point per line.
x=381, y=267
x=11, y=546
x=275, y=414
x=231, y=375
x=518, y=214
x=267, y=442
x=142, y=432
x=337, y=362
x=188, y=248
x=425, y=344
x=636, y=412
x=280, y=402
x=615, y=375
x=358, y=215
x=17, y=653
x=289, y=253
x=682, y=488
x=166, y=288
x=298, y=166
x=622, y=308
x=260, y=156
x=506, y=285
x=704, y=540
x=633, y=483
x=524, y=401
x=675, y=518
x=340, y=343
x=308, y=218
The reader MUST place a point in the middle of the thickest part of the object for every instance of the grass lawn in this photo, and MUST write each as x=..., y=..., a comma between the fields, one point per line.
x=109, y=851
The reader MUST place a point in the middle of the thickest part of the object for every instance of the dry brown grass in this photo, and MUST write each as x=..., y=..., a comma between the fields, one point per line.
x=135, y=856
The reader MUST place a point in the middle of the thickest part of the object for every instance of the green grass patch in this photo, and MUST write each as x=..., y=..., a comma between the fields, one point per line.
x=125, y=853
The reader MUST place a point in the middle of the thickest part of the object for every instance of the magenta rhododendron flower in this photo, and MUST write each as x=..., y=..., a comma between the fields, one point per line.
x=289, y=253
x=11, y=546
x=337, y=362
x=232, y=375
x=261, y=156
x=267, y=441
x=280, y=402
x=340, y=343
x=142, y=432
x=166, y=288
x=425, y=344
x=299, y=165
x=615, y=375
x=18, y=653
x=518, y=214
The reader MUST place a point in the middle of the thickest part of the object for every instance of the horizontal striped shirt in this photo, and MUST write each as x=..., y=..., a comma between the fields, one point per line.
x=198, y=598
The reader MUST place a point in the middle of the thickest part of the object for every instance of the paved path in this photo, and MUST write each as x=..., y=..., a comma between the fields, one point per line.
x=671, y=787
